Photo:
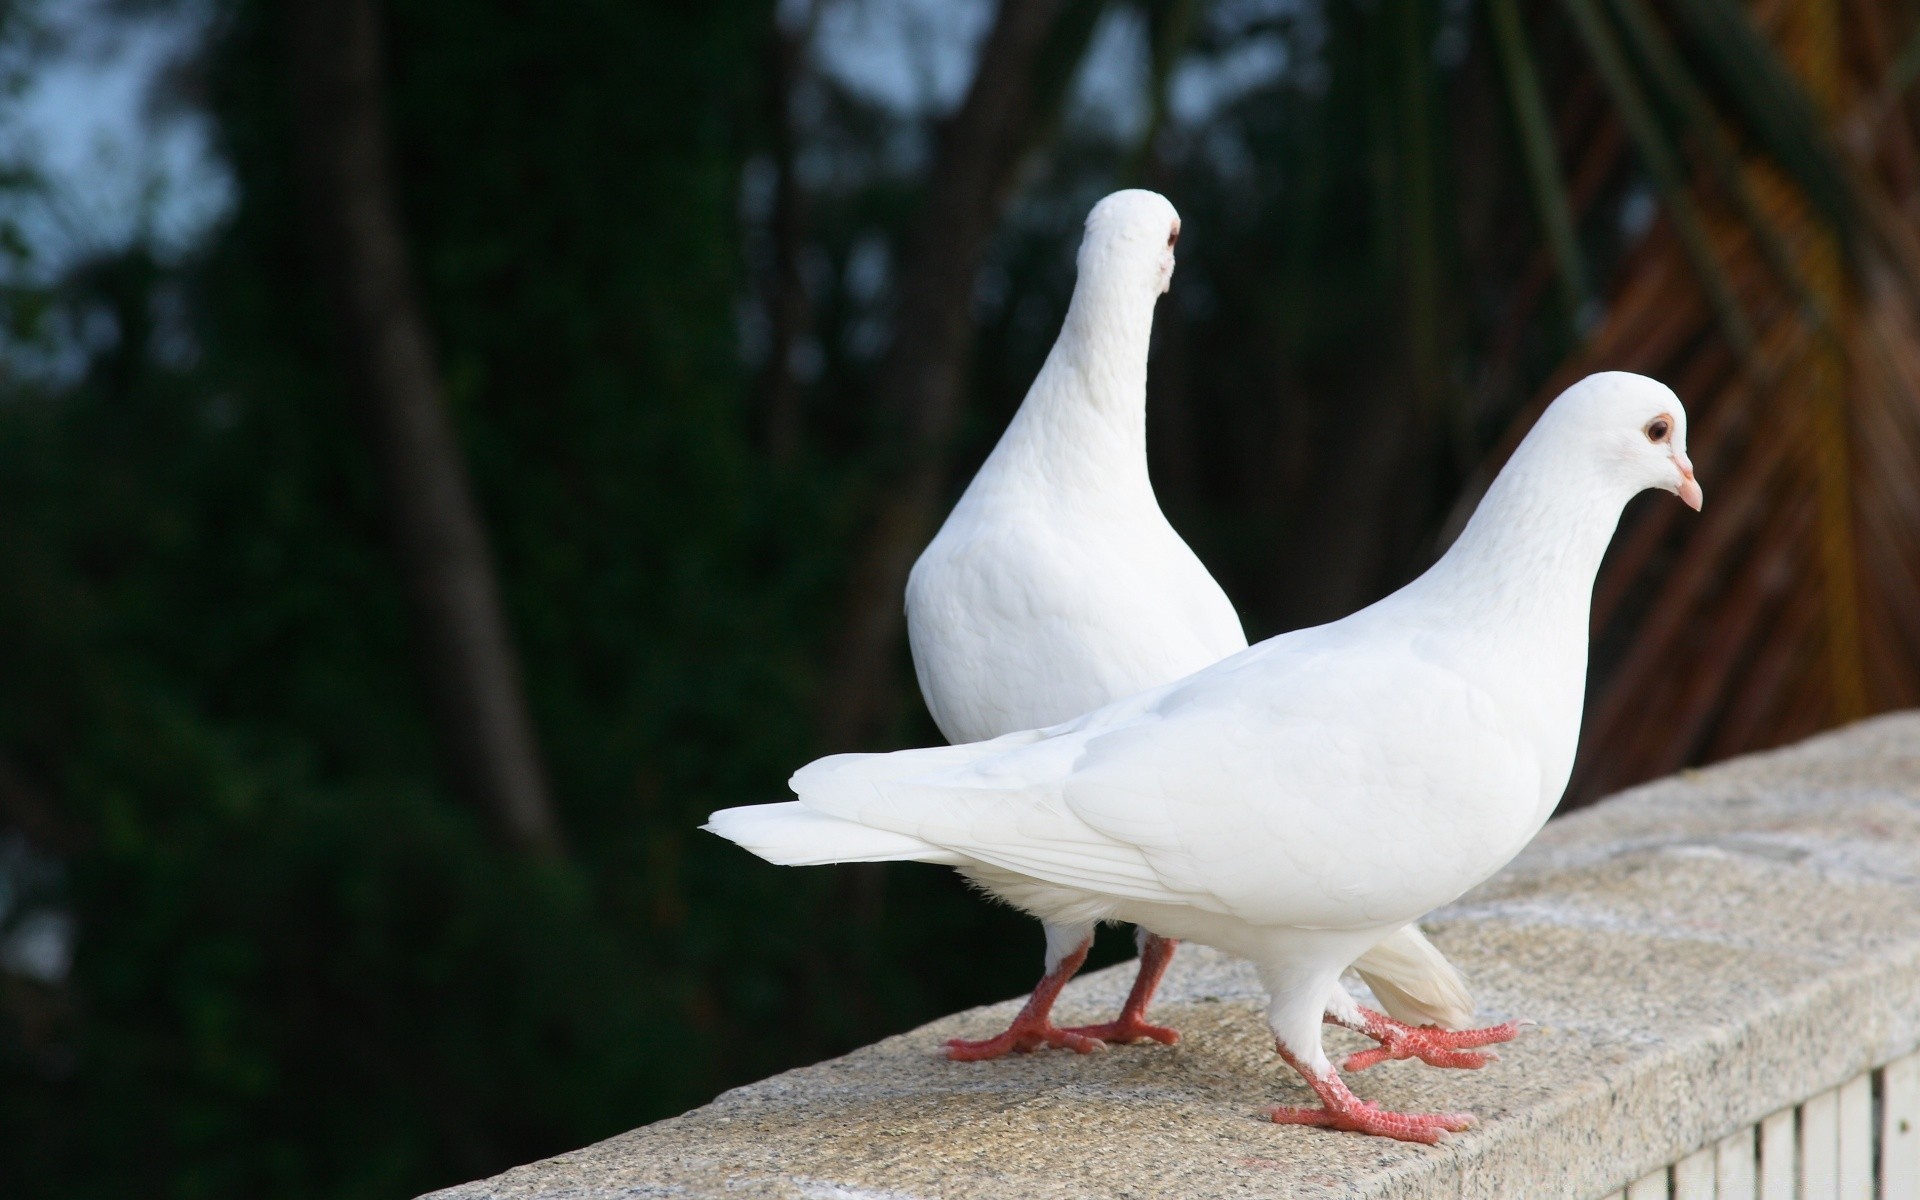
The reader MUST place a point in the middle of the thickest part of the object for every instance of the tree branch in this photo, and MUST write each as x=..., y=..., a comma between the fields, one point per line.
x=467, y=663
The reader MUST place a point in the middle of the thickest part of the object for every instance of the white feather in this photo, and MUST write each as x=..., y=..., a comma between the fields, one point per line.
x=1415, y=982
x=794, y=835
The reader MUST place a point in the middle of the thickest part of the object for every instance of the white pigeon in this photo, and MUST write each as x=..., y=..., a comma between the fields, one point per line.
x=1057, y=586
x=1298, y=801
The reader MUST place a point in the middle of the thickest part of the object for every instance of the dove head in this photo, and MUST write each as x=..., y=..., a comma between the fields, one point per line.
x=1631, y=430
x=1129, y=243
x=1545, y=522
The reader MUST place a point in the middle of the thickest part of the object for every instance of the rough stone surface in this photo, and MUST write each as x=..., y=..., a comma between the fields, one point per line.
x=1698, y=952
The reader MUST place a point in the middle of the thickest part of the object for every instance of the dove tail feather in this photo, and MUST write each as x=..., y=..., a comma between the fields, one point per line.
x=793, y=835
x=1415, y=983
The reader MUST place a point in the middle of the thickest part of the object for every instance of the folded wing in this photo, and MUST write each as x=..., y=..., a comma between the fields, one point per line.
x=1313, y=789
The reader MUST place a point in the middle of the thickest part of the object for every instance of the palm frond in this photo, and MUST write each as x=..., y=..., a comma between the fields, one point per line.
x=1774, y=104
x=1788, y=604
x=1550, y=200
x=1705, y=127
x=1663, y=163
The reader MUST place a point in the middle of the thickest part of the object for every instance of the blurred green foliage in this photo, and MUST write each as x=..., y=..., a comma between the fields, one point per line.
x=302, y=968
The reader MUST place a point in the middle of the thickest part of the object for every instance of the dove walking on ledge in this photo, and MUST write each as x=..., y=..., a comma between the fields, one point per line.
x=1299, y=801
x=1056, y=586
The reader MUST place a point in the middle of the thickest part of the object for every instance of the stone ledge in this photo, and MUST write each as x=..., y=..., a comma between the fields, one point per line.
x=1699, y=952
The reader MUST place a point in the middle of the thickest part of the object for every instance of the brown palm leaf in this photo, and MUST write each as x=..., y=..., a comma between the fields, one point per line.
x=1793, y=602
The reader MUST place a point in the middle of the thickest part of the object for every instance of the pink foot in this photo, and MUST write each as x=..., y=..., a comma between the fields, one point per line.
x=1341, y=1109
x=1132, y=1026
x=1023, y=1037
x=1365, y=1117
x=1125, y=1030
x=1033, y=1028
x=1429, y=1043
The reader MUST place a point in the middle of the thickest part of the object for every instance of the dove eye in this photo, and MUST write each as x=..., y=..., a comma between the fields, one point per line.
x=1658, y=429
x=1173, y=235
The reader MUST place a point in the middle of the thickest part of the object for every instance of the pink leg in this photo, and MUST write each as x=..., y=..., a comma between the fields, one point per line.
x=1341, y=1109
x=1155, y=953
x=1429, y=1043
x=1032, y=1029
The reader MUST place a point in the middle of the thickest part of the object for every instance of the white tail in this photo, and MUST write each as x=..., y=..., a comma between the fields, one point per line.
x=1415, y=982
x=794, y=835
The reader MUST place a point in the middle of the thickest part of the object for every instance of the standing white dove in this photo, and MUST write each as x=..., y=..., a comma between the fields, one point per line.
x=1297, y=802
x=1056, y=585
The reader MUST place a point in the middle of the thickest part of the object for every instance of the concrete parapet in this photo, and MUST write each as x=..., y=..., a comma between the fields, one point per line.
x=1724, y=966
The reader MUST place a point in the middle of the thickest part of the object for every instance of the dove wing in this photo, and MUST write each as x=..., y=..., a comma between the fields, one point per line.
x=1340, y=790
x=1311, y=790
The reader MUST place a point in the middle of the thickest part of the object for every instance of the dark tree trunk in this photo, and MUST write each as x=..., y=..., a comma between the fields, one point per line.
x=471, y=676
x=974, y=170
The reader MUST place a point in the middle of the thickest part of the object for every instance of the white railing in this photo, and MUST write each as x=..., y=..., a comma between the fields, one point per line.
x=1859, y=1141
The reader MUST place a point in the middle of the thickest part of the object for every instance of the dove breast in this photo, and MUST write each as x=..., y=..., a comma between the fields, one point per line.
x=1021, y=622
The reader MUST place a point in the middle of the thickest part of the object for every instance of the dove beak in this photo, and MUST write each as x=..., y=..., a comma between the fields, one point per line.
x=1689, y=489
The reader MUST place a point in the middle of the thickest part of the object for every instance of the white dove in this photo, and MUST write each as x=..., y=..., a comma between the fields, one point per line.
x=1057, y=586
x=1300, y=800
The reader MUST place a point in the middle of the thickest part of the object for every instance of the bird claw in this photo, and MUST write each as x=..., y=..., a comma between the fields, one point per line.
x=1033, y=1029
x=1429, y=1043
x=1363, y=1116
x=1465, y=1060
x=1022, y=1038
x=1127, y=1030
x=1341, y=1109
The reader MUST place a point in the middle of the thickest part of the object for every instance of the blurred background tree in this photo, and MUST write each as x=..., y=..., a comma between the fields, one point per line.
x=506, y=446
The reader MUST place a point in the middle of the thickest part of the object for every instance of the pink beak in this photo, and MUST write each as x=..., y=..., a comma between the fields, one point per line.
x=1689, y=488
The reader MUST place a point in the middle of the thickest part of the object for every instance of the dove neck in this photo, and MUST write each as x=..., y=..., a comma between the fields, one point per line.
x=1527, y=559
x=1088, y=406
